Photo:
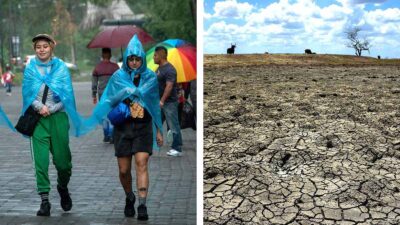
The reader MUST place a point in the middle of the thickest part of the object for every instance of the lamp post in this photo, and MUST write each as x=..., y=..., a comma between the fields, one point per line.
x=15, y=50
x=15, y=46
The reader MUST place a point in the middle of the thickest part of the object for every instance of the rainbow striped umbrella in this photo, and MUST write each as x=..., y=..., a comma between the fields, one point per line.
x=181, y=54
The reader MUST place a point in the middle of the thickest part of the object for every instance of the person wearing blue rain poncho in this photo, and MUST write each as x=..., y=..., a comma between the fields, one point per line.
x=46, y=75
x=135, y=86
x=4, y=121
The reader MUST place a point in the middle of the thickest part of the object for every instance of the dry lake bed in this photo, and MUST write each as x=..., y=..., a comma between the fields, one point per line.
x=301, y=144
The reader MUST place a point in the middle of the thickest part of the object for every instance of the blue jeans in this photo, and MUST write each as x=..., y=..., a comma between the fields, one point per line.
x=8, y=87
x=170, y=114
x=107, y=128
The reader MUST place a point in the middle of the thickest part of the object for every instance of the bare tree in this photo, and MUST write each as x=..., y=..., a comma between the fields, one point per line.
x=355, y=41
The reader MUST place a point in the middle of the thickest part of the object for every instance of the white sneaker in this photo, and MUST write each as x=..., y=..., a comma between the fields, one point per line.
x=170, y=137
x=174, y=152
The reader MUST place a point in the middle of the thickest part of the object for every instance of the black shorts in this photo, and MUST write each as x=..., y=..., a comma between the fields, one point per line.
x=132, y=137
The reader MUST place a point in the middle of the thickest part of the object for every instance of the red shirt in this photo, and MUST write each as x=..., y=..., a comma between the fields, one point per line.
x=8, y=77
x=105, y=68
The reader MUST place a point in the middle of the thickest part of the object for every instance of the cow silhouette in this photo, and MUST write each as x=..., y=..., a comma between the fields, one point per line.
x=231, y=50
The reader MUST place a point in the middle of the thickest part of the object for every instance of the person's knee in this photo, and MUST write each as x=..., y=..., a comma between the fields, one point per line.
x=171, y=112
x=141, y=165
x=64, y=168
x=175, y=129
x=124, y=172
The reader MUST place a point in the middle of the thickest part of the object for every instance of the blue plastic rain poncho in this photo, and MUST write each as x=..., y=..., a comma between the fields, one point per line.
x=59, y=81
x=4, y=121
x=120, y=86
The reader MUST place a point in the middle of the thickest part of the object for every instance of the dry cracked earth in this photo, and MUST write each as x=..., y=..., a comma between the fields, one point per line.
x=302, y=145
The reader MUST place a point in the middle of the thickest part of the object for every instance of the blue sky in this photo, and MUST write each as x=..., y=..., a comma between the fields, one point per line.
x=290, y=26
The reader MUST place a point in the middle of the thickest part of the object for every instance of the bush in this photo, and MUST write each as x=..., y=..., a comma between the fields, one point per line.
x=17, y=79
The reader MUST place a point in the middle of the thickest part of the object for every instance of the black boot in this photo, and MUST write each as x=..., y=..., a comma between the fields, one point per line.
x=142, y=213
x=106, y=139
x=66, y=201
x=44, y=209
x=129, y=207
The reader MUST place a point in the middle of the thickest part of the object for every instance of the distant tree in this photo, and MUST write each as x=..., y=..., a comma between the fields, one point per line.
x=355, y=42
x=63, y=28
x=168, y=19
x=101, y=2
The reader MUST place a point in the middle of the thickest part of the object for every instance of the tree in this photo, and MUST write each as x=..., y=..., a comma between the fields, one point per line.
x=355, y=41
x=168, y=19
x=63, y=28
x=26, y=18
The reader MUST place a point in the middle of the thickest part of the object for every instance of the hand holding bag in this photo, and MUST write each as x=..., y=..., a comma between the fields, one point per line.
x=119, y=114
x=26, y=123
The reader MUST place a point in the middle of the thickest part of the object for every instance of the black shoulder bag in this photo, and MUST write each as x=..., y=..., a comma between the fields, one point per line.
x=26, y=123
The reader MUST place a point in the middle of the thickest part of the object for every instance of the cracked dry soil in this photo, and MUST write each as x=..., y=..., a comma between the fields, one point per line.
x=302, y=145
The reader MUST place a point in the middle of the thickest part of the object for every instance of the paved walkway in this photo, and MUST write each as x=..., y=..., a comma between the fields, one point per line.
x=97, y=195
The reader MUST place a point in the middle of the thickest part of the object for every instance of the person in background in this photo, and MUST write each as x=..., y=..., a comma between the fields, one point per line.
x=8, y=78
x=166, y=74
x=1, y=77
x=193, y=96
x=183, y=96
x=101, y=74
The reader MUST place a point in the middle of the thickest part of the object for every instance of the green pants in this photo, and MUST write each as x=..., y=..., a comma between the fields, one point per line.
x=51, y=135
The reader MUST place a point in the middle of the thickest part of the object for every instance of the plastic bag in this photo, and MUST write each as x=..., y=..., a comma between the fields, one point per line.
x=119, y=114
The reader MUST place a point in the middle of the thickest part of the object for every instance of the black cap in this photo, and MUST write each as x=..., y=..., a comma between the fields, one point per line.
x=45, y=37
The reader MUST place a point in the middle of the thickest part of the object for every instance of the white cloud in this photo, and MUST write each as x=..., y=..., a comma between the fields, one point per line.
x=283, y=11
x=334, y=12
x=231, y=9
x=223, y=28
x=391, y=15
x=349, y=3
x=206, y=15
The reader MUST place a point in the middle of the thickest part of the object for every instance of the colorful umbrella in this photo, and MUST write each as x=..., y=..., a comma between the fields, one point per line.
x=181, y=54
x=118, y=37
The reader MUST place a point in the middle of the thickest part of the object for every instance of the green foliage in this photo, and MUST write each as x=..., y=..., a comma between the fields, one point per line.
x=101, y=2
x=167, y=19
x=18, y=78
x=27, y=18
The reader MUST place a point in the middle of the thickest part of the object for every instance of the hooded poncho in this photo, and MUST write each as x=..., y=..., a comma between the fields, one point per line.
x=59, y=81
x=120, y=86
x=4, y=121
